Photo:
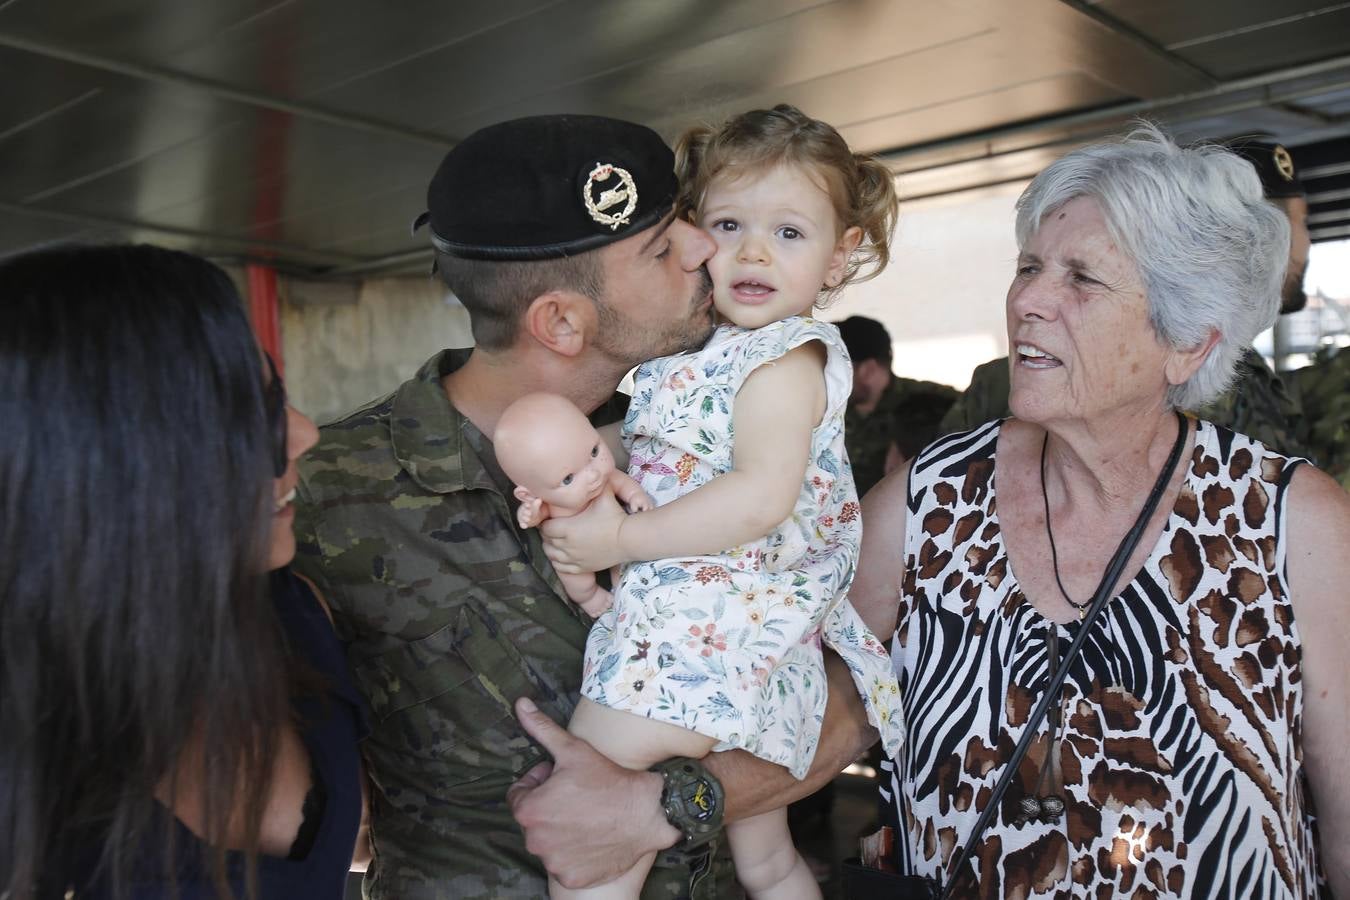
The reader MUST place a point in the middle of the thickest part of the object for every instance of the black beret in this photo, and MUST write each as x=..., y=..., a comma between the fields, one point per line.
x=1273, y=165
x=865, y=339
x=549, y=186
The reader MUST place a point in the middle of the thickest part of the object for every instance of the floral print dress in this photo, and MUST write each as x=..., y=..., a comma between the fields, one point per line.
x=729, y=645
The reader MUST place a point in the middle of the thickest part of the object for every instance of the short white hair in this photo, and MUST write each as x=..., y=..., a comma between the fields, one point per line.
x=1211, y=250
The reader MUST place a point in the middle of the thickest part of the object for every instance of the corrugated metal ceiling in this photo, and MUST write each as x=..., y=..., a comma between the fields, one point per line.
x=303, y=132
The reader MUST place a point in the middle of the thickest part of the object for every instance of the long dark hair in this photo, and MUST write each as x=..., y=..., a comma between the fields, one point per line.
x=135, y=507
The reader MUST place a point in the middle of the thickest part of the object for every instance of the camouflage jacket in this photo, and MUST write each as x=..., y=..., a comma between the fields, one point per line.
x=1324, y=391
x=866, y=438
x=407, y=524
x=1257, y=405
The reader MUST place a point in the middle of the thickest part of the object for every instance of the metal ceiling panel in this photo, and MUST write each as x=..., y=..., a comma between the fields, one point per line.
x=1032, y=100
x=49, y=88
x=81, y=141
x=1262, y=122
x=309, y=48
x=304, y=131
x=582, y=47
x=20, y=230
x=1176, y=25
x=1135, y=67
x=849, y=91
x=139, y=29
x=957, y=86
x=1296, y=41
x=284, y=179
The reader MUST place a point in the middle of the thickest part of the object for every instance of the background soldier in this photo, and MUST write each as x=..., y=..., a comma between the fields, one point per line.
x=877, y=392
x=1324, y=390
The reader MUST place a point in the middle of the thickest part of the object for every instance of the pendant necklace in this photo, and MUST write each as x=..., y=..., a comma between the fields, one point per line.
x=1183, y=426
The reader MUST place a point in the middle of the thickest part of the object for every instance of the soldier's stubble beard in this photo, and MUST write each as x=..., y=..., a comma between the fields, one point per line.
x=628, y=342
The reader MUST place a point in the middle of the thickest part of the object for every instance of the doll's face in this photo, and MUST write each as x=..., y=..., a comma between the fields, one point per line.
x=545, y=445
x=575, y=471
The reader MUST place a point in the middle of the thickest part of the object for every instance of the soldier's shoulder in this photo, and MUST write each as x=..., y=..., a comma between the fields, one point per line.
x=985, y=398
x=352, y=449
x=993, y=370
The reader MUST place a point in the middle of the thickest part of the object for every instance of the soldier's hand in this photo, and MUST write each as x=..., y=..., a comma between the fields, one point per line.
x=588, y=541
x=588, y=819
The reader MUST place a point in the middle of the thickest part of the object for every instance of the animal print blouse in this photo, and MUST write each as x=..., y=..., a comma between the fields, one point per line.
x=1180, y=750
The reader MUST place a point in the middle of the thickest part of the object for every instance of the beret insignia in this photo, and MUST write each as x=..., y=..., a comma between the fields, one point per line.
x=1284, y=163
x=606, y=187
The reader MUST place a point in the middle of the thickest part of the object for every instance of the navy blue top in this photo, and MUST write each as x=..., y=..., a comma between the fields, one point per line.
x=331, y=723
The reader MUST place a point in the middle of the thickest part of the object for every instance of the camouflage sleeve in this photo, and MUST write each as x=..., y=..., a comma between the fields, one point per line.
x=1260, y=406
x=986, y=398
x=1324, y=389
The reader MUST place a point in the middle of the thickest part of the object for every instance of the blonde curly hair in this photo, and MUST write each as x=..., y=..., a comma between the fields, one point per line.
x=860, y=186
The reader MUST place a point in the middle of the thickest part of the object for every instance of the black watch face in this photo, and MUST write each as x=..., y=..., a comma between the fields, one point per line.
x=699, y=800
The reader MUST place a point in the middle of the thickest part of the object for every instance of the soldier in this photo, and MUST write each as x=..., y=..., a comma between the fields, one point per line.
x=1324, y=391
x=876, y=393
x=557, y=234
x=1258, y=404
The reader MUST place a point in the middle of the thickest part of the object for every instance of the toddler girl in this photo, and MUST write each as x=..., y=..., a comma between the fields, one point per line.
x=715, y=643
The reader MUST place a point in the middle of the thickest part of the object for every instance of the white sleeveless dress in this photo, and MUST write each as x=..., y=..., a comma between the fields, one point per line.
x=728, y=645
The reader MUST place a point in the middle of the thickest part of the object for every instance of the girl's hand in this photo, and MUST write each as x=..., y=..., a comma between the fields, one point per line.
x=588, y=541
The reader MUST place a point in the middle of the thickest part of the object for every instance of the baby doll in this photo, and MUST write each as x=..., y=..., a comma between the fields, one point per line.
x=560, y=464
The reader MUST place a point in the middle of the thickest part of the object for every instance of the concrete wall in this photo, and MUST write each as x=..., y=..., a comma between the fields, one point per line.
x=345, y=343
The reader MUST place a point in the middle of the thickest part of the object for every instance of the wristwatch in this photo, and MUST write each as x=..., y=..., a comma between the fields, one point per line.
x=693, y=800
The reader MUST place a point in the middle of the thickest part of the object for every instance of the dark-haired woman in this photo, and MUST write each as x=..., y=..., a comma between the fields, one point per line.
x=177, y=721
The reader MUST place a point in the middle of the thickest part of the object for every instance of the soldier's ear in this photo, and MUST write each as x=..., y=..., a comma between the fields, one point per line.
x=560, y=321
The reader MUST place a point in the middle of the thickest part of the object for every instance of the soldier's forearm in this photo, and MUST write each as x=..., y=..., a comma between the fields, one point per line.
x=754, y=786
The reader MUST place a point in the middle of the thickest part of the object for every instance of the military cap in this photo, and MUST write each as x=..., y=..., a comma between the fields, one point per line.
x=548, y=186
x=865, y=339
x=1274, y=166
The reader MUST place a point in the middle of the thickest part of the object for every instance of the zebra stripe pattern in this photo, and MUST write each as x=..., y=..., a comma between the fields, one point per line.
x=1181, y=717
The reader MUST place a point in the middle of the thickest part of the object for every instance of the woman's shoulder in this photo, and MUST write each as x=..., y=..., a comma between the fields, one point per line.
x=1236, y=456
x=308, y=626
x=955, y=452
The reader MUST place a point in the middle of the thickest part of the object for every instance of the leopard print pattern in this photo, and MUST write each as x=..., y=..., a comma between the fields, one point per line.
x=1180, y=755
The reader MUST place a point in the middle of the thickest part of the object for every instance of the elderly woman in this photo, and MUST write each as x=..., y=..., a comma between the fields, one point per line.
x=1205, y=716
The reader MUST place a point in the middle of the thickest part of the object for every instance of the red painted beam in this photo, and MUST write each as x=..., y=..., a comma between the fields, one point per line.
x=265, y=312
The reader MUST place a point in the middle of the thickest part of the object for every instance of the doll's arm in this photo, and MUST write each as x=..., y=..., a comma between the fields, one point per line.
x=773, y=446
x=532, y=511
x=626, y=488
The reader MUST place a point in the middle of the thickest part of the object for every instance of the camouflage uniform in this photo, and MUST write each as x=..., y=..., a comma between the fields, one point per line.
x=1257, y=405
x=451, y=612
x=867, y=437
x=986, y=398
x=1324, y=390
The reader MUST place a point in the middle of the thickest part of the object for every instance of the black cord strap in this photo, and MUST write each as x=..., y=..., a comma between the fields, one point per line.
x=1097, y=604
